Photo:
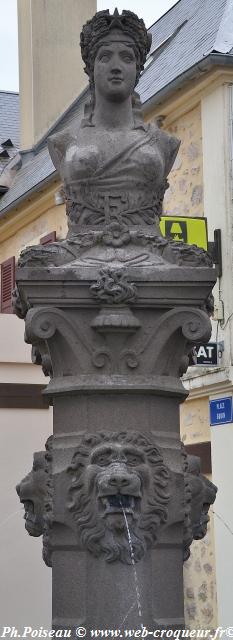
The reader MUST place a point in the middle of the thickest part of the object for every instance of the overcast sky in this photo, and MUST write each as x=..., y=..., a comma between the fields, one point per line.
x=150, y=10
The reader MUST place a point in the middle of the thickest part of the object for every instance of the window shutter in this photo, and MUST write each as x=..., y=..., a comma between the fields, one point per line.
x=51, y=237
x=7, y=284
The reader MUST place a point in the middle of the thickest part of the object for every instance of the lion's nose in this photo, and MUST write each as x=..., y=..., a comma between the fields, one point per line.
x=118, y=481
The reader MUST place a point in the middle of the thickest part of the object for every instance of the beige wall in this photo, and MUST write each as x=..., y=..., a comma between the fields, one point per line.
x=218, y=199
x=15, y=354
x=25, y=581
x=222, y=448
x=13, y=349
x=32, y=223
x=200, y=595
x=199, y=571
x=185, y=194
x=51, y=72
x=194, y=421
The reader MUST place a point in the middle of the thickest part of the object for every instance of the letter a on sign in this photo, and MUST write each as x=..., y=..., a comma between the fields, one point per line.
x=176, y=230
x=201, y=352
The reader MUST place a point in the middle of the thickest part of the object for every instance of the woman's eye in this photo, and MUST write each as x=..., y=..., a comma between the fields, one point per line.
x=127, y=58
x=105, y=57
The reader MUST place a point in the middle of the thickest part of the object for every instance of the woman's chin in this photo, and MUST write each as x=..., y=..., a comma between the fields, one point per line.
x=117, y=93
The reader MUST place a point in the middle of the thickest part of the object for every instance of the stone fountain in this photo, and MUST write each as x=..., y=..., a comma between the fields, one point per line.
x=112, y=313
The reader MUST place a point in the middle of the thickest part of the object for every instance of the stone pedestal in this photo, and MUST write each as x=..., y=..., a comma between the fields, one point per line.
x=116, y=341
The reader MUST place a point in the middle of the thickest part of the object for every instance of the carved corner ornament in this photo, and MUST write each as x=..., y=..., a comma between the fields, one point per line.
x=113, y=287
x=35, y=493
x=200, y=494
x=20, y=308
x=118, y=495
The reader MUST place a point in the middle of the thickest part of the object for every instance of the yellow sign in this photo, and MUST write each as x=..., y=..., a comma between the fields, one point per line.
x=189, y=230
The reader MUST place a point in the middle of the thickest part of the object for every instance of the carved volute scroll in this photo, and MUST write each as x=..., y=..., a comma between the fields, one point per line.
x=65, y=343
x=68, y=347
x=178, y=330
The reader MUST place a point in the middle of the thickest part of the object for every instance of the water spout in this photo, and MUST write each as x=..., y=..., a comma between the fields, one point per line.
x=134, y=566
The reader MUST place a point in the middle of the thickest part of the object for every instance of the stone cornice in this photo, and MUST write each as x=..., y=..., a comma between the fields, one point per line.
x=187, y=98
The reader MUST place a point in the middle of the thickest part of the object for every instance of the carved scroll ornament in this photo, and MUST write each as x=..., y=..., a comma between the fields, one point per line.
x=68, y=347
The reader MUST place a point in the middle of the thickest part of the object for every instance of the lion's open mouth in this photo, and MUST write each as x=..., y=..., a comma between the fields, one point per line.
x=118, y=502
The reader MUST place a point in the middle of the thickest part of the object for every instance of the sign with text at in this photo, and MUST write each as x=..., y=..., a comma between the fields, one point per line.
x=207, y=354
x=185, y=229
x=221, y=411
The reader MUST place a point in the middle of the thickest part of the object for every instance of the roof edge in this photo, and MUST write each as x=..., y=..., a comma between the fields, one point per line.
x=164, y=14
x=15, y=93
x=43, y=183
x=203, y=66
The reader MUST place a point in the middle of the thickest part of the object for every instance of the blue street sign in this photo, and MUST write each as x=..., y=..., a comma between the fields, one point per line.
x=221, y=411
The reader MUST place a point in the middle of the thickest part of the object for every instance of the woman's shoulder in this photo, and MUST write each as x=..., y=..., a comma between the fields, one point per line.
x=168, y=145
x=59, y=142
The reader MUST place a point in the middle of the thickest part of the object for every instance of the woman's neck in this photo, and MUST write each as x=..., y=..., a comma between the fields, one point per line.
x=113, y=115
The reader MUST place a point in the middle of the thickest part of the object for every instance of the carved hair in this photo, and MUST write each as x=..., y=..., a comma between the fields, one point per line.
x=99, y=26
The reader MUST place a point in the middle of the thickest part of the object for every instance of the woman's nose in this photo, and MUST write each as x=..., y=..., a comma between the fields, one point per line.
x=116, y=64
x=116, y=69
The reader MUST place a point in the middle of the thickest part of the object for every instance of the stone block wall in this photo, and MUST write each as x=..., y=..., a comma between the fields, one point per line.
x=200, y=598
x=185, y=194
x=199, y=571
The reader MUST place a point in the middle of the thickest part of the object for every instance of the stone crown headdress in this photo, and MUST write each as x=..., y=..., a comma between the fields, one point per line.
x=99, y=26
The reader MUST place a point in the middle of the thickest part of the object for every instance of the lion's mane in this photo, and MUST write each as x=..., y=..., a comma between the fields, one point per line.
x=93, y=534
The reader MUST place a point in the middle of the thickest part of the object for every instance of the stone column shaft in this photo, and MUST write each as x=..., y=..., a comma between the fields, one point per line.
x=116, y=388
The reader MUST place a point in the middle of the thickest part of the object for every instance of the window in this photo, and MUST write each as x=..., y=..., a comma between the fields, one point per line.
x=51, y=237
x=7, y=284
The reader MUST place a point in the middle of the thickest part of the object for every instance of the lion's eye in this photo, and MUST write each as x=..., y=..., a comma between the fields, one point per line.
x=133, y=459
x=102, y=460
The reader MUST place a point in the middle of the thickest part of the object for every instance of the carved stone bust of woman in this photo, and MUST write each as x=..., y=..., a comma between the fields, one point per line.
x=114, y=167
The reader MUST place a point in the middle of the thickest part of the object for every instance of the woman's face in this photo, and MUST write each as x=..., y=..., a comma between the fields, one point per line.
x=115, y=67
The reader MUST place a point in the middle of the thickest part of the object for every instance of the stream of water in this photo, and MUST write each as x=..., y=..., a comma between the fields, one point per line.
x=134, y=567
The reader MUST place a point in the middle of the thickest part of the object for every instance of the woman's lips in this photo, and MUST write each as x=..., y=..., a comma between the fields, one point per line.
x=115, y=79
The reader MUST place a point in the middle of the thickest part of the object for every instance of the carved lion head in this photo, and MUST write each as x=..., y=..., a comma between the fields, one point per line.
x=32, y=492
x=203, y=493
x=118, y=494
